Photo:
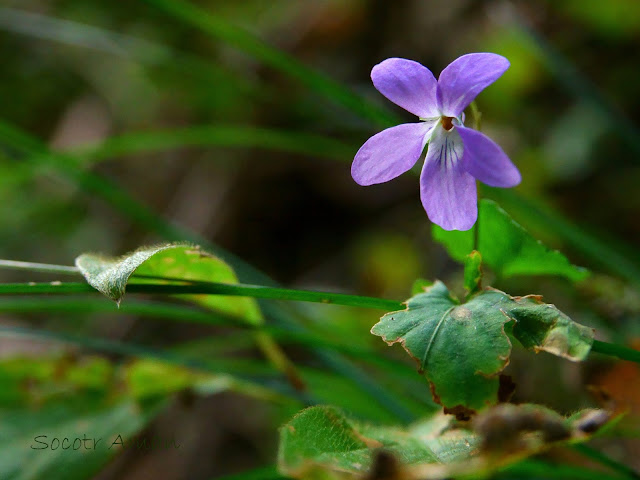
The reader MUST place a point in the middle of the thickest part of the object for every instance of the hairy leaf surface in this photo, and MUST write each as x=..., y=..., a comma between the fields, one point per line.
x=167, y=264
x=322, y=442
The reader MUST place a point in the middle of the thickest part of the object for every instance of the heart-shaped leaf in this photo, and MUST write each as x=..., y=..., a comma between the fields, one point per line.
x=462, y=348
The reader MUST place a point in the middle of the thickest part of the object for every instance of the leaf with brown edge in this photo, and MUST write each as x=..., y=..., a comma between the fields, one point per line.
x=463, y=348
x=542, y=327
x=460, y=348
x=322, y=442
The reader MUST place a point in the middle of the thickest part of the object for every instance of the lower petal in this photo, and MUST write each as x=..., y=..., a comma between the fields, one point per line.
x=390, y=153
x=486, y=161
x=447, y=191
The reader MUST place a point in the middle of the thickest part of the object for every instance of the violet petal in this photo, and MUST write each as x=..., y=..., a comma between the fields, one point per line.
x=407, y=84
x=486, y=161
x=447, y=191
x=465, y=78
x=390, y=153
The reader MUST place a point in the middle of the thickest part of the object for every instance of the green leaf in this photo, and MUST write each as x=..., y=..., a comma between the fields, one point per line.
x=322, y=442
x=542, y=327
x=178, y=262
x=507, y=247
x=462, y=348
x=323, y=437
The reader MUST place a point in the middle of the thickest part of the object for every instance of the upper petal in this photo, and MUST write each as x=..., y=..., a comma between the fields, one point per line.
x=447, y=191
x=390, y=153
x=486, y=161
x=408, y=84
x=465, y=78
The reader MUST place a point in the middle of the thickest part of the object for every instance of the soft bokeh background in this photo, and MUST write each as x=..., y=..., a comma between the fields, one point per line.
x=75, y=73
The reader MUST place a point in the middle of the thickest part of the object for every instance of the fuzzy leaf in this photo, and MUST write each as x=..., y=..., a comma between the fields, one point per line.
x=506, y=246
x=462, y=348
x=321, y=442
x=324, y=437
x=179, y=262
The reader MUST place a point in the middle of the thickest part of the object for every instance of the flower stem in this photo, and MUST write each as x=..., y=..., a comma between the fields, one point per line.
x=476, y=116
x=476, y=227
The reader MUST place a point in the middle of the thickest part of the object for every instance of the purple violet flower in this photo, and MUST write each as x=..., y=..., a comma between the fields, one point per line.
x=457, y=155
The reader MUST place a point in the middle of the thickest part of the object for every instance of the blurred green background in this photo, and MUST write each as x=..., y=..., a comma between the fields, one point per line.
x=181, y=114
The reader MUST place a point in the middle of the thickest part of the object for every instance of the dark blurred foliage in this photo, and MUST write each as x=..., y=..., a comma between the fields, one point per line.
x=303, y=220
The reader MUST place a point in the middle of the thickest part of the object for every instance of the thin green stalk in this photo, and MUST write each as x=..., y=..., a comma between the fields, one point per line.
x=35, y=151
x=258, y=291
x=476, y=116
x=110, y=191
x=39, y=267
x=175, y=313
x=183, y=313
x=613, y=350
x=213, y=288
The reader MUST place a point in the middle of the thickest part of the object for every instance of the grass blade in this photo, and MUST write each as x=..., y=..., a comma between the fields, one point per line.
x=34, y=151
x=215, y=135
x=274, y=58
x=212, y=288
x=601, y=253
x=577, y=85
